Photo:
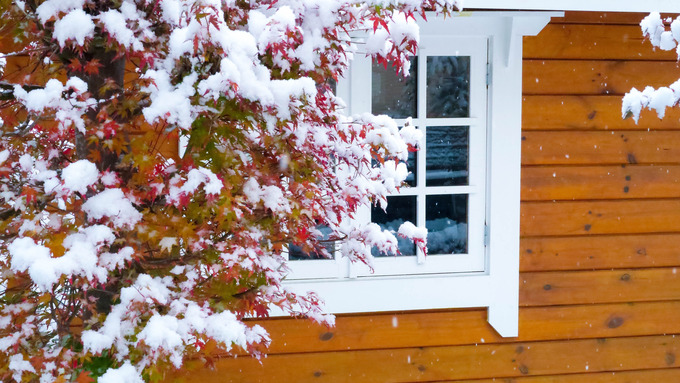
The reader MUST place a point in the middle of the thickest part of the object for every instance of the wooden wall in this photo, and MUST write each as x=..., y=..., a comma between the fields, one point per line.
x=599, y=293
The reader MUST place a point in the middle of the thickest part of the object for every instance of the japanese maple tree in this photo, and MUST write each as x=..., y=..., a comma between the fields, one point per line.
x=663, y=33
x=121, y=255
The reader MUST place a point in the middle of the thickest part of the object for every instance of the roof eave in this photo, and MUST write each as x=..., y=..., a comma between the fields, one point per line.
x=577, y=5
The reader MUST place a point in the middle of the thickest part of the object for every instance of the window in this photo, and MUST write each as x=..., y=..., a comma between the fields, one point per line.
x=446, y=96
x=464, y=94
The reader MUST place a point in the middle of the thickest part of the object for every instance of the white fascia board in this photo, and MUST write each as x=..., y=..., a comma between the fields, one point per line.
x=672, y=6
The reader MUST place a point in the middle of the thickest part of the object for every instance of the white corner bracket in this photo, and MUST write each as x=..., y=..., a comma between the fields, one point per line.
x=505, y=132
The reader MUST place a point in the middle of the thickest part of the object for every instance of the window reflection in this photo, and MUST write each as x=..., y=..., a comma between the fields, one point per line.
x=448, y=86
x=447, y=155
x=394, y=94
x=446, y=222
x=399, y=210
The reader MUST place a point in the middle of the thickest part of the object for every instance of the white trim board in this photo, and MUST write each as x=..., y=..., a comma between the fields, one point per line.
x=577, y=5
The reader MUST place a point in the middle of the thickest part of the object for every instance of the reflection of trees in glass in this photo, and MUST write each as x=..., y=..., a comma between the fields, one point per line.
x=394, y=94
x=448, y=86
x=447, y=155
x=446, y=223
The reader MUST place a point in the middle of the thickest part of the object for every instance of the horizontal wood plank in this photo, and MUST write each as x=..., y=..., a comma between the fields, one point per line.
x=565, y=112
x=599, y=252
x=599, y=217
x=465, y=327
x=664, y=375
x=600, y=182
x=599, y=148
x=596, y=42
x=600, y=286
x=595, y=77
x=426, y=364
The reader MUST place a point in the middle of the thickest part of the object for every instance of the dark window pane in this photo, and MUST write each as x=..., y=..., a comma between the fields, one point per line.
x=394, y=94
x=412, y=164
x=448, y=86
x=296, y=253
x=447, y=155
x=446, y=222
x=399, y=210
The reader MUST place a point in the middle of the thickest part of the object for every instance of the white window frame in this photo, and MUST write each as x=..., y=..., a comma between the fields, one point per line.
x=494, y=281
x=474, y=47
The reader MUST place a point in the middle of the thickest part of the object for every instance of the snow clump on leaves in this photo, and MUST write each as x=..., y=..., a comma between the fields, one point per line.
x=122, y=256
x=654, y=28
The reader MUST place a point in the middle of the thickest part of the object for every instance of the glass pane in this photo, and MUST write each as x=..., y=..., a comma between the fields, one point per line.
x=399, y=210
x=295, y=253
x=446, y=222
x=412, y=164
x=394, y=94
x=447, y=155
x=448, y=86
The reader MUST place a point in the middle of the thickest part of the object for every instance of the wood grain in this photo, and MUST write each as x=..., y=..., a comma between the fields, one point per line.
x=601, y=286
x=595, y=77
x=592, y=42
x=599, y=148
x=600, y=182
x=599, y=252
x=469, y=327
x=426, y=364
x=565, y=112
x=664, y=375
x=599, y=217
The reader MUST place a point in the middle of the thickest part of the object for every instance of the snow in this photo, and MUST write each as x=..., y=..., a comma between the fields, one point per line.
x=19, y=365
x=116, y=261
x=123, y=374
x=409, y=230
x=168, y=101
x=109, y=178
x=664, y=97
x=80, y=258
x=69, y=109
x=115, y=24
x=196, y=177
x=666, y=42
x=160, y=332
x=193, y=57
x=39, y=99
x=112, y=204
x=51, y=8
x=4, y=155
x=26, y=255
x=80, y=175
x=171, y=11
x=652, y=26
x=271, y=196
x=76, y=25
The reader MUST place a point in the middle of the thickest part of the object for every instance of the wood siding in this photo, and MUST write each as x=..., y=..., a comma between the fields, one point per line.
x=600, y=247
